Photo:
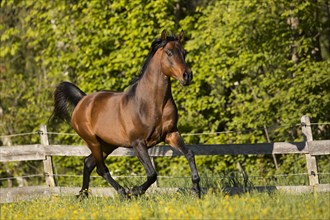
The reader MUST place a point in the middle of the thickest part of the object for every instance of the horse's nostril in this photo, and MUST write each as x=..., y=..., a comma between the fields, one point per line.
x=185, y=76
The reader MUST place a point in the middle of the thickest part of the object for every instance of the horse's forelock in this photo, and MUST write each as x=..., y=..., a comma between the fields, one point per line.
x=159, y=43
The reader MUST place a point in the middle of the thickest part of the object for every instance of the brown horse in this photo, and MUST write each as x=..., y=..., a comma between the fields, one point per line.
x=141, y=117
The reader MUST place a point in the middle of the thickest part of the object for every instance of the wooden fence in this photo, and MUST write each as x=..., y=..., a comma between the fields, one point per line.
x=45, y=151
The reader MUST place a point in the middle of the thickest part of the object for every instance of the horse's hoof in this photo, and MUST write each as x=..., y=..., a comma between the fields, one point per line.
x=123, y=194
x=82, y=194
x=136, y=191
x=197, y=192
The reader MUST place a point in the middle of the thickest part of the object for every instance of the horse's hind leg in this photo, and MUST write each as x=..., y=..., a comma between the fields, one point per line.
x=89, y=165
x=97, y=159
x=144, y=158
x=175, y=140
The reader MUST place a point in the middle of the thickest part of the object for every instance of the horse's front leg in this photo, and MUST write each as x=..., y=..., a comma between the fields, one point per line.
x=175, y=140
x=142, y=153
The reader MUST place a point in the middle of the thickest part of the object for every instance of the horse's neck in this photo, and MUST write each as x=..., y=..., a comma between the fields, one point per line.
x=154, y=85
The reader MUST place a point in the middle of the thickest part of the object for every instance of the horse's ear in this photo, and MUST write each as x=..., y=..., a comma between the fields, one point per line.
x=181, y=36
x=164, y=35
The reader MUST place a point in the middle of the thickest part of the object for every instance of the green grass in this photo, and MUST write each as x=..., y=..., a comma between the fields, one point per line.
x=213, y=205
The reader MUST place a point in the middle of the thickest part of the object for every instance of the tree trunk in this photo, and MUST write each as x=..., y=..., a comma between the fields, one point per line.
x=324, y=18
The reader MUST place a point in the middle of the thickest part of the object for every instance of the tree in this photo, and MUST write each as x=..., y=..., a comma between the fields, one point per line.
x=241, y=51
x=257, y=64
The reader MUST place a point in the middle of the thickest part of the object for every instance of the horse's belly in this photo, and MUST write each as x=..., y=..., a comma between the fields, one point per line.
x=113, y=135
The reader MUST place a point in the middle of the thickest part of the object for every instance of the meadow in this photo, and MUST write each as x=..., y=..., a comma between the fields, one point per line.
x=213, y=205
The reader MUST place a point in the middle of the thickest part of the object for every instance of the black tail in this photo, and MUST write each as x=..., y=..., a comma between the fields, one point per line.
x=66, y=94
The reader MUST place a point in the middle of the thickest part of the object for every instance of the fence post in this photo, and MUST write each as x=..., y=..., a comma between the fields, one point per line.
x=310, y=160
x=244, y=175
x=48, y=162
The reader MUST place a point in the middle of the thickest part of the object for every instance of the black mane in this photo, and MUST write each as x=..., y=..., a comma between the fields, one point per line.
x=156, y=44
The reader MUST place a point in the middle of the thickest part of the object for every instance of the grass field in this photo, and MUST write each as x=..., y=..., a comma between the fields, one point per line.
x=175, y=206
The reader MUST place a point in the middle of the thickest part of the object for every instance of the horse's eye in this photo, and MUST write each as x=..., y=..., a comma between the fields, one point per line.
x=169, y=53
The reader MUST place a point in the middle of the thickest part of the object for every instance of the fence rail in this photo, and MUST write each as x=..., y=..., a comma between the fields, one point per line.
x=39, y=152
x=44, y=152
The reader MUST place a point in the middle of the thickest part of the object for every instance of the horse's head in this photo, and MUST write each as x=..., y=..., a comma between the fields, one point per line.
x=173, y=62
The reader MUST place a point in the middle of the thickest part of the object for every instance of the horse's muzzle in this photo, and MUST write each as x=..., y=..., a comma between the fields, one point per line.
x=187, y=78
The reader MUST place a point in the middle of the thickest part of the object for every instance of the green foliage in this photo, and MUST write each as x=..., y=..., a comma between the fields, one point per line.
x=258, y=66
x=240, y=51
